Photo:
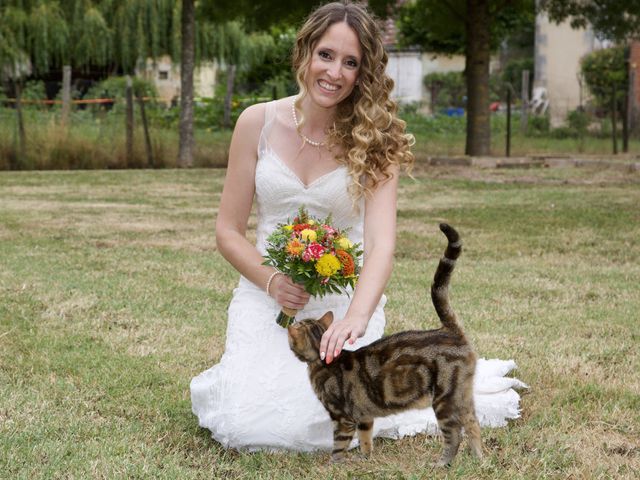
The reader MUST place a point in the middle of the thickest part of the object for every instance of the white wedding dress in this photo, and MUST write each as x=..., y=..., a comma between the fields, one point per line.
x=259, y=395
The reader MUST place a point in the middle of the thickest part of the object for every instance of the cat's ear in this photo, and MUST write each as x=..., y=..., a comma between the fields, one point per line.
x=326, y=320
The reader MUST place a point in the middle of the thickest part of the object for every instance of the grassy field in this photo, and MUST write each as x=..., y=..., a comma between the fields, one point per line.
x=112, y=296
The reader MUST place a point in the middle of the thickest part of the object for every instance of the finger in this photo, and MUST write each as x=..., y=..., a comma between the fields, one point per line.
x=293, y=303
x=324, y=342
x=342, y=338
x=353, y=337
x=297, y=290
x=334, y=346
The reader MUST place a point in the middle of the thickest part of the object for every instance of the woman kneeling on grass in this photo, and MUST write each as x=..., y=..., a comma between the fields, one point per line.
x=337, y=148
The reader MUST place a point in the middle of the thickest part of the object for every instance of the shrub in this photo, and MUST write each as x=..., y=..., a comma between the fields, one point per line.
x=446, y=89
x=604, y=70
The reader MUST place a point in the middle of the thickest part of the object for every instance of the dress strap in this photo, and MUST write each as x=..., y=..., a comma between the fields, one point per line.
x=269, y=117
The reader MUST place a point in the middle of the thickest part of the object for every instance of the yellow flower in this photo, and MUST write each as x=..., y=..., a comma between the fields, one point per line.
x=288, y=228
x=308, y=235
x=344, y=243
x=327, y=265
x=311, y=221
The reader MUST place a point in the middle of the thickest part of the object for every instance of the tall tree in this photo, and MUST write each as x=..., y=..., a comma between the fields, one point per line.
x=471, y=27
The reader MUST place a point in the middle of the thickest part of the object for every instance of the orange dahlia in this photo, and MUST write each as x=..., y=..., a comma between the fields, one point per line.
x=295, y=248
x=348, y=265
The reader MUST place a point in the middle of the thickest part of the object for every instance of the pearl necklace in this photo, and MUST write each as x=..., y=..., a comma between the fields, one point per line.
x=302, y=135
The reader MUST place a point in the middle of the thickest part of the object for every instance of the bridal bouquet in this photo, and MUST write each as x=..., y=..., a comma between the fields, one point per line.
x=314, y=254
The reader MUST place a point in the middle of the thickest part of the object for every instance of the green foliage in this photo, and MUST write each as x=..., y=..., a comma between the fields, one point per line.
x=257, y=15
x=275, y=71
x=613, y=19
x=604, y=70
x=578, y=120
x=33, y=90
x=431, y=26
x=231, y=45
x=115, y=87
x=447, y=89
x=442, y=26
x=538, y=125
x=208, y=112
x=512, y=73
x=48, y=33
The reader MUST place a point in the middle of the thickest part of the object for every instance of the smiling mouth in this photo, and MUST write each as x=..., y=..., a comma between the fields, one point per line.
x=328, y=86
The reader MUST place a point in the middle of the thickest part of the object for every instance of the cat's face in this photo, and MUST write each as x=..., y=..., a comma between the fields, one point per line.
x=305, y=336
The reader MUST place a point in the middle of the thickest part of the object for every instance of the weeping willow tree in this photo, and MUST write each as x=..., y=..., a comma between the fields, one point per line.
x=233, y=47
x=84, y=34
x=40, y=36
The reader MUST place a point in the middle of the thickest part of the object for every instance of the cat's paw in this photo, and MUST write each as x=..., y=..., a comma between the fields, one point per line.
x=362, y=456
x=337, y=459
x=442, y=463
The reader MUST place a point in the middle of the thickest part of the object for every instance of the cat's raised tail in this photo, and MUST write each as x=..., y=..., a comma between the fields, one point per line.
x=440, y=285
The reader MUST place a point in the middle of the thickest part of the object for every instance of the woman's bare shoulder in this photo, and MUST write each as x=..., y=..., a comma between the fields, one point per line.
x=252, y=117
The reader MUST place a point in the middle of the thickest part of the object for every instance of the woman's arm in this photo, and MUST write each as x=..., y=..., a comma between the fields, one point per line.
x=379, y=247
x=235, y=208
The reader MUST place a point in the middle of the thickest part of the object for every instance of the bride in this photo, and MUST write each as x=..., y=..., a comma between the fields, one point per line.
x=337, y=147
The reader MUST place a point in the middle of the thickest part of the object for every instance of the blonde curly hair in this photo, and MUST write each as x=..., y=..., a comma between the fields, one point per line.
x=370, y=137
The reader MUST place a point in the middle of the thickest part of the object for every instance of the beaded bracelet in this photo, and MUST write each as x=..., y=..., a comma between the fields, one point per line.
x=277, y=272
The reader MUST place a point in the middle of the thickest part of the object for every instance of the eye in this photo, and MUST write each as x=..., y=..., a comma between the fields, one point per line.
x=324, y=54
x=352, y=63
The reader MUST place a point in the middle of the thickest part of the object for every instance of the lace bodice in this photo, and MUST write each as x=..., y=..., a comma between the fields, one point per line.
x=279, y=191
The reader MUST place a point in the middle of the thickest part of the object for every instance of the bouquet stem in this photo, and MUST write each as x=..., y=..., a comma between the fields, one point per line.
x=286, y=317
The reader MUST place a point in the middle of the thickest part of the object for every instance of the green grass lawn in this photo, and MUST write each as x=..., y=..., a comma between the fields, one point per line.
x=112, y=296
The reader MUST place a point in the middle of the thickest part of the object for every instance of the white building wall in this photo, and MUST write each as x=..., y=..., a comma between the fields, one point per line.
x=166, y=78
x=558, y=51
x=405, y=68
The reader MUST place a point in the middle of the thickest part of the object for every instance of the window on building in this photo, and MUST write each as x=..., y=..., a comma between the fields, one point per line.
x=163, y=75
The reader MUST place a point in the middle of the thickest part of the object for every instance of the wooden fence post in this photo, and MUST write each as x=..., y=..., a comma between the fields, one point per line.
x=508, y=149
x=66, y=94
x=129, y=121
x=524, y=115
x=21, y=153
x=614, y=125
x=632, y=110
x=147, y=138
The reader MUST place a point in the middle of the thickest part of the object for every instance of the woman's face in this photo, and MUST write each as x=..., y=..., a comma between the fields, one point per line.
x=334, y=67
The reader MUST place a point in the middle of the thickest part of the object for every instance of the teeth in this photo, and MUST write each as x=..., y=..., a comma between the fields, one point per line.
x=328, y=86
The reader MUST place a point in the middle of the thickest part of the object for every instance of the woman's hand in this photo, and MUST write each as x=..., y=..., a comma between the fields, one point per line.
x=287, y=293
x=333, y=340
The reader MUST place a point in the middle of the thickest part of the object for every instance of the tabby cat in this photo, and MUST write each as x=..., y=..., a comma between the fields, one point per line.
x=412, y=369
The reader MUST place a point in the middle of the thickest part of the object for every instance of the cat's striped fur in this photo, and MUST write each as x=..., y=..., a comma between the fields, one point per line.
x=412, y=369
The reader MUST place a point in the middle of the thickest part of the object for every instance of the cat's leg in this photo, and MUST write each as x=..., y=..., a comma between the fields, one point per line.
x=343, y=431
x=451, y=429
x=472, y=429
x=365, y=435
x=470, y=422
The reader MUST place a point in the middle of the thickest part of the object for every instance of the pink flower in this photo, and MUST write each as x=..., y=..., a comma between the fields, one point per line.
x=313, y=251
x=330, y=230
